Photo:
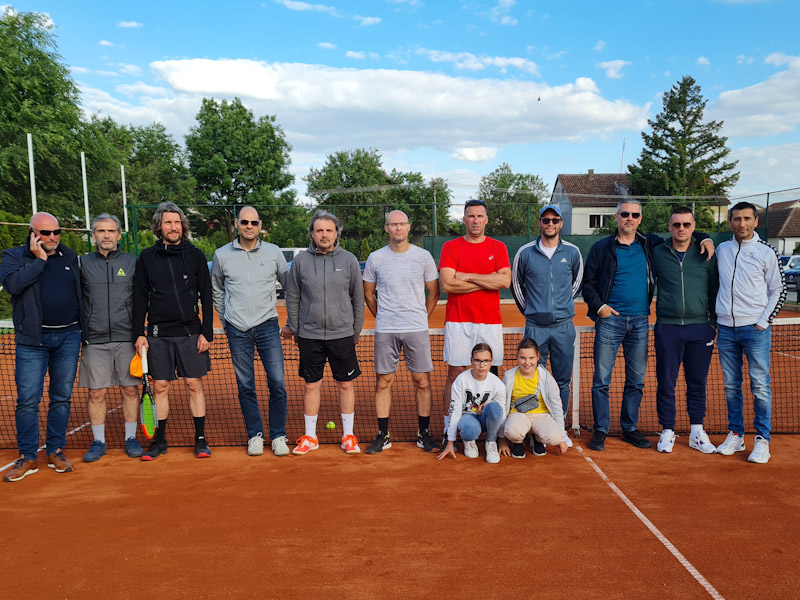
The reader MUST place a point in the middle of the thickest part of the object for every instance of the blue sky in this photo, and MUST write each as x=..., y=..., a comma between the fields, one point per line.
x=450, y=89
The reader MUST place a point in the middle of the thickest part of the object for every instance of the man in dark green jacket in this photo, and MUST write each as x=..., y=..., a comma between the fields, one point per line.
x=687, y=285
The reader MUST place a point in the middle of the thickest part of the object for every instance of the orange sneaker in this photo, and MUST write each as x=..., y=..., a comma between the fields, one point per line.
x=305, y=444
x=350, y=444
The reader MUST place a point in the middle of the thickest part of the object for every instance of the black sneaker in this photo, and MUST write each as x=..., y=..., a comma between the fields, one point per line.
x=598, y=442
x=425, y=441
x=518, y=450
x=201, y=449
x=537, y=447
x=381, y=443
x=155, y=450
x=636, y=438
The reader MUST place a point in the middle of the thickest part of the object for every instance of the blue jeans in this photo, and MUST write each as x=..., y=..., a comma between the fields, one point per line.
x=610, y=333
x=265, y=338
x=58, y=354
x=732, y=342
x=558, y=342
x=491, y=418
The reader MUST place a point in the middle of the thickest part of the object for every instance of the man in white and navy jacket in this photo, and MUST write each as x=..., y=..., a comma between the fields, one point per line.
x=751, y=293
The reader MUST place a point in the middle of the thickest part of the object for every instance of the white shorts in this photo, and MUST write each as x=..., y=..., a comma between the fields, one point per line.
x=461, y=338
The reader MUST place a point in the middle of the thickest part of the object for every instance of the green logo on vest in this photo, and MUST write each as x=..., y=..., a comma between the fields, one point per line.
x=120, y=273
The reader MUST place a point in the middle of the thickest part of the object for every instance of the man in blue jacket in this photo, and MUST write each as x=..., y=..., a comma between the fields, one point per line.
x=618, y=286
x=545, y=279
x=43, y=278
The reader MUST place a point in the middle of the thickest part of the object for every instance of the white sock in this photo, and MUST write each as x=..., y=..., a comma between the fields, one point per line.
x=696, y=429
x=99, y=432
x=130, y=430
x=311, y=425
x=347, y=423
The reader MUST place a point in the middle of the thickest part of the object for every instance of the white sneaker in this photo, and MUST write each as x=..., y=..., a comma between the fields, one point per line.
x=255, y=445
x=666, y=441
x=567, y=439
x=280, y=446
x=471, y=449
x=492, y=455
x=760, y=453
x=700, y=441
x=733, y=443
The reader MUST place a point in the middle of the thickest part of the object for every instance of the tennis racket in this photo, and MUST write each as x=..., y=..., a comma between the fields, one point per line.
x=147, y=407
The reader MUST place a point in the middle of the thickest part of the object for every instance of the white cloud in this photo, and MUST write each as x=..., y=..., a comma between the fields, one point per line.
x=703, y=62
x=599, y=46
x=327, y=45
x=367, y=21
x=470, y=62
x=130, y=24
x=742, y=60
x=107, y=73
x=105, y=43
x=477, y=155
x=129, y=69
x=767, y=168
x=305, y=6
x=766, y=108
x=141, y=89
x=613, y=67
x=79, y=70
x=556, y=55
x=779, y=59
x=500, y=13
x=361, y=55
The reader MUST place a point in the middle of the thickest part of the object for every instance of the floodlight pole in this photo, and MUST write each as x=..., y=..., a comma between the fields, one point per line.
x=124, y=198
x=85, y=189
x=33, y=175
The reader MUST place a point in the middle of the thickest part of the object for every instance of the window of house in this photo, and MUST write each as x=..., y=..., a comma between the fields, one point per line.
x=596, y=221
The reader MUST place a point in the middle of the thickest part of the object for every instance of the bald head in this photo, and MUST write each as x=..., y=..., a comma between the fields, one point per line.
x=45, y=226
x=398, y=227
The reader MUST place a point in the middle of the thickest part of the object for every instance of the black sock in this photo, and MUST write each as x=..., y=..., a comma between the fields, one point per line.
x=424, y=422
x=383, y=424
x=161, y=432
x=199, y=427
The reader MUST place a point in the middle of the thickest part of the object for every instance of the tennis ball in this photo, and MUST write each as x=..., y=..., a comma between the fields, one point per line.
x=331, y=425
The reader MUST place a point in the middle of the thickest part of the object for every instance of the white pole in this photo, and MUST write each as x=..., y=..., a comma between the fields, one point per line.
x=85, y=189
x=124, y=198
x=33, y=176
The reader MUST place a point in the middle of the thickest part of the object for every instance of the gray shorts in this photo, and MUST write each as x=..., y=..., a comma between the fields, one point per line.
x=106, y=365
x=416, y=347
x=168, y=354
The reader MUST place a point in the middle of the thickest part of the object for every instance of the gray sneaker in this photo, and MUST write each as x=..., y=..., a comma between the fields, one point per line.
x=255, y=445
x=280, y=446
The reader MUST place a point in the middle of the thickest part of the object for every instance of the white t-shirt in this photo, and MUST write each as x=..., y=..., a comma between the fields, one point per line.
x=468, y=393
x=400, y=279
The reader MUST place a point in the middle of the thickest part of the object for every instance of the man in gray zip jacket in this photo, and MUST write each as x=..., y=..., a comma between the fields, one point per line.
x=325, y=313
x=243, y=280
x=107, y=284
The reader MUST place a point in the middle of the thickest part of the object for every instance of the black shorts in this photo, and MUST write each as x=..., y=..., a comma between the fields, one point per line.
x=341, y=355
x=168, y=354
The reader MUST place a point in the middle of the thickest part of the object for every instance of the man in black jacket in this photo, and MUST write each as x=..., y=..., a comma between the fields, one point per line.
x=43, y=278
x=107, y=283
x=170, y=277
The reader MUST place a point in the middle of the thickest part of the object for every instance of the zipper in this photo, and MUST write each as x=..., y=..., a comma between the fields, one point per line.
x=733, y=278
x=108, y=296
x=177, y=296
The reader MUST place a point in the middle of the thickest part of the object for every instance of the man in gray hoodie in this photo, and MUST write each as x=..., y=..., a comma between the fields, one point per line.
x=325, y=313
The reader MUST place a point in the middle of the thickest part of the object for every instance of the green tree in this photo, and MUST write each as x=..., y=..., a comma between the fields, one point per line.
x=237, y=159
x=512, y=200
x=37, y=96
x=682, y=155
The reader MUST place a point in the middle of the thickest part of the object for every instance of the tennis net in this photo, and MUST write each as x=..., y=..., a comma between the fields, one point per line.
x=225, y=426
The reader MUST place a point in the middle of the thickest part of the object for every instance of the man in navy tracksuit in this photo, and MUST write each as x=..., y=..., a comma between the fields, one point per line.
x=545, y=278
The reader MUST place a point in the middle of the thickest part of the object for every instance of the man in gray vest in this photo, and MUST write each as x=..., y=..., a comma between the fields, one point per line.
x=243, y=278
x=107, y=283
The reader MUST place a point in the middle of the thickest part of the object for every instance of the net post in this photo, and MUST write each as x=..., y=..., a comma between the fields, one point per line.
x=576, y=383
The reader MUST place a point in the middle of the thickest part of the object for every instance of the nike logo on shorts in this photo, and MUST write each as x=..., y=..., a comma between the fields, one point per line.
x=351, y=372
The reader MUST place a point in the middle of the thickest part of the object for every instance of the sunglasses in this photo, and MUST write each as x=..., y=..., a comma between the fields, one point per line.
x=548, y=220
x=47, y=232
x=625, y=214
x=474, y=203
x=251, y=222
x=677, y=225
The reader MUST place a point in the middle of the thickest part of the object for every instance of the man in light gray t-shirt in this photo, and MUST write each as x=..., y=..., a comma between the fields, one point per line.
x=396, y=279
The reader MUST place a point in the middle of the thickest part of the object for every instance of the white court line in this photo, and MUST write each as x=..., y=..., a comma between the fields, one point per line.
x=654, y=530
x=76, y=430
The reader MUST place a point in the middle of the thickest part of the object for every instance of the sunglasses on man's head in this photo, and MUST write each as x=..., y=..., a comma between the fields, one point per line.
x=625, y=214
x=548, y=220
x=677, y=225
x=250, y=222
x=47, y=232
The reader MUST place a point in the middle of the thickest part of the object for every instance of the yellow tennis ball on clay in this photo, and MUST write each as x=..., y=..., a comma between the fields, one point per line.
x=331, y=425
